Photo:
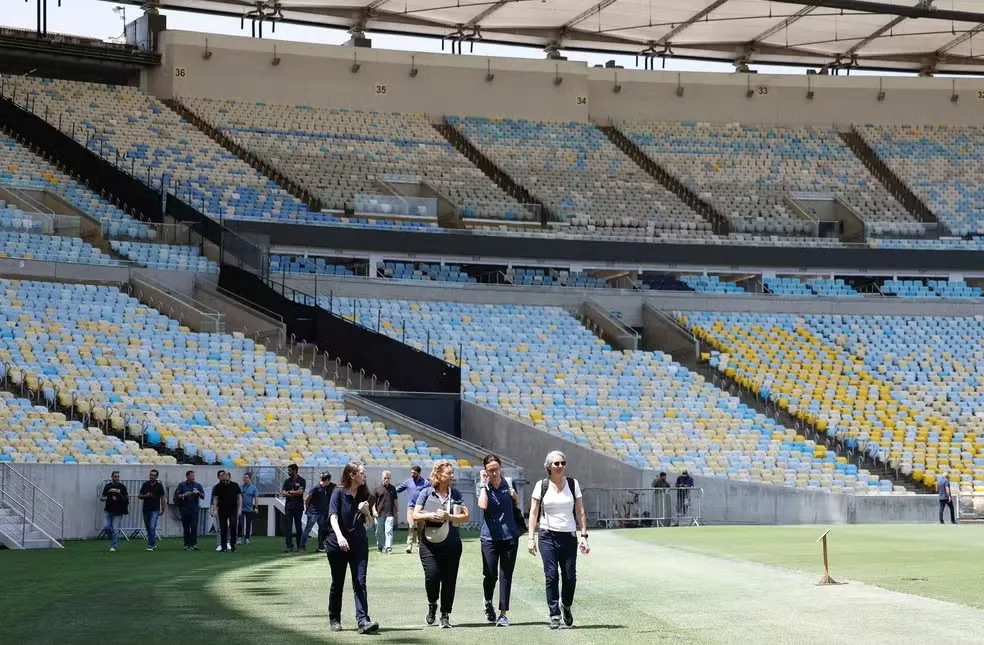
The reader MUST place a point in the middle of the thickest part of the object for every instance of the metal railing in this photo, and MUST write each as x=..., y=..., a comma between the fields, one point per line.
x=41, y=513
x=643, y=507
x=178, y=305
x=614, y=330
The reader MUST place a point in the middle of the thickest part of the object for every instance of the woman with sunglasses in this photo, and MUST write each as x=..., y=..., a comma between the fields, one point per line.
x=500, y=536
x=556, y=502
x=442, y=509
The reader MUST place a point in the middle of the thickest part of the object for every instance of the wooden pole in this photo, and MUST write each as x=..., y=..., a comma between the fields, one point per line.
x=826, y=579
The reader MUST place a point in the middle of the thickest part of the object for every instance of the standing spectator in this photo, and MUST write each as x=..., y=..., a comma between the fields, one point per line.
x=117, y=505
x=317, y=511
x=441, y=508
x=187, y=497
x=413, y=486
x=348, y=547
x=293, y=491
x=212, y=516
x=946, y=498
x=683, y=482
x=227, y=506
x=152, y=493
x=384, y=504
x=662, y=487
x=249, y=509
x=556, y=502
x=500, y=536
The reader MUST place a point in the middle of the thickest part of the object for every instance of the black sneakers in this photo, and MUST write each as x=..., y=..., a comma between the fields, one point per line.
x=489, y=611
x=369, y=627
x=431, y=614
x=445, y=621
x=568, y=616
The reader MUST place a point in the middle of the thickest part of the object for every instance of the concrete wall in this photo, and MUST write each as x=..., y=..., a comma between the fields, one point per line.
x=723, y=501
x=76, y=487
x=314, y=74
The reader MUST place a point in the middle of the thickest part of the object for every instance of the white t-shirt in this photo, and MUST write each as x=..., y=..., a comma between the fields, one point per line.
x=557, y=508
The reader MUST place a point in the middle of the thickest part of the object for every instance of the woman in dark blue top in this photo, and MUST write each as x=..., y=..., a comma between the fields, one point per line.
x=348, y=546
x=441, y=508
x=500, y=536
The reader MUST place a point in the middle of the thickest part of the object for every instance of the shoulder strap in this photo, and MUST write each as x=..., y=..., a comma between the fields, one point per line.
x=570, y=485
x=544, y=483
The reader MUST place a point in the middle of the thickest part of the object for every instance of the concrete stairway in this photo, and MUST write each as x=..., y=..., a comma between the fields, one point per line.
x=29, y=518
x=671, y=183
x=16, y=532
x=916, y=206
x=678, y=342
x=512, y=187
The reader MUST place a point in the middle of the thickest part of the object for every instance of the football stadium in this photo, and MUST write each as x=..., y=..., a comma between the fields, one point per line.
x=646, y=320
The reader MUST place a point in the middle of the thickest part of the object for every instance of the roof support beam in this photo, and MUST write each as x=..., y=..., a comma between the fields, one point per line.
x=775, y=29
x=368, y=12
x=587, y=13
x=486, y=12
x=700, y=15
x=878, y=33
x=959, y=40
x=865, y=6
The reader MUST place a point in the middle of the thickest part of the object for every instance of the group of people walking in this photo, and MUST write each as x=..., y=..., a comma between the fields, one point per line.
x=436, y=512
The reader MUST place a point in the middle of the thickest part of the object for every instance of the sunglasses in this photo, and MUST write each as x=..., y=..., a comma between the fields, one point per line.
x=560, y=463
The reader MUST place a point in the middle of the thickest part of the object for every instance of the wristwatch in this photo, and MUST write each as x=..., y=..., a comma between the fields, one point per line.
x=584, y=535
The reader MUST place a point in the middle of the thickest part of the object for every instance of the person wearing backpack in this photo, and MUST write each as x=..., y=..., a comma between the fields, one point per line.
x=556, y=502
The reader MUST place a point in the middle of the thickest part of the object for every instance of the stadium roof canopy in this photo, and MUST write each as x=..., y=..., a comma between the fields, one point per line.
x=914, y=35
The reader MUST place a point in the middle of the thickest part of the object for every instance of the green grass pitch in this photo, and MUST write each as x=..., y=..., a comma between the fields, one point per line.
x=693, y=585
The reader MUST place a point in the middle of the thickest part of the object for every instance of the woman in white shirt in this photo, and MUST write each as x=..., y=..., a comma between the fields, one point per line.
x=556, y=500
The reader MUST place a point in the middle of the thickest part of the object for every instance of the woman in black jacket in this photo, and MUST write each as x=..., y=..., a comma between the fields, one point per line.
x=348, y=547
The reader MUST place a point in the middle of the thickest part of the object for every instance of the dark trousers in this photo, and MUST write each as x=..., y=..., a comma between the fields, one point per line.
x=246, y=524
x=293, y=517
x=228, y=524
x=355, y=560
x=498, y=560
x=189, y=524
x=943, y=504
x=440, y=562
x=559, y=554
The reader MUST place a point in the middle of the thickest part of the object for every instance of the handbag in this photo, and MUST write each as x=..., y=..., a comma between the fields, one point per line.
x=519, y=520
x=435, y=532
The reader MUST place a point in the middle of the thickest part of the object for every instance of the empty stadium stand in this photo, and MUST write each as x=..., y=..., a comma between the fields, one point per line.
x=169, y=257
x=902, y=390
x=97, y=354
x=21, y=168
x=584, y=180
x=941, y=165
x=338, y=154
x=540, y=365
x=123, y=124
x=749, y=172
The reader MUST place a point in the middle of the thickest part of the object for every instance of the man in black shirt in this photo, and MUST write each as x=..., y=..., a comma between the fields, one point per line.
x=227, y=504
x=317, y=511
x=293, y=491
x=117, y=505
x=384, y=502
x=153, y=496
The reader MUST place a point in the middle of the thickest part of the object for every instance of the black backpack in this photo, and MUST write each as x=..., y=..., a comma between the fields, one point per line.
x=544, y=484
